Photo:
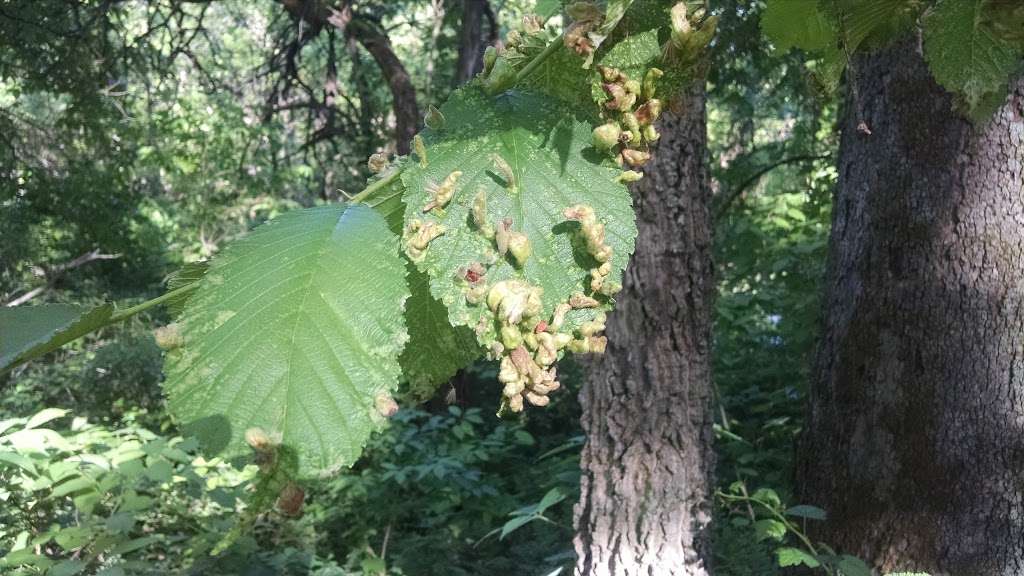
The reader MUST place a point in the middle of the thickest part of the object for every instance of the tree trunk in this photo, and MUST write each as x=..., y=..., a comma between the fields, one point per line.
x=471, y=39
x=913, y=440
x=647, y=464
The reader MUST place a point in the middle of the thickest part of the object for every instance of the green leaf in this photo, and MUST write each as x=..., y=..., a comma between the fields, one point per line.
x=295, y=329
x=514, y=524
x=807, y=511
x=27, y=332
x=797, y=24
x=965, y=56
x=554, y=167
x=872, y=24
x=554, y=496
x=44, y=416
x=796, y=557
x=769, y=529
x=547, y=8
x=436, y=350
x=187, y=274
x=852, y=566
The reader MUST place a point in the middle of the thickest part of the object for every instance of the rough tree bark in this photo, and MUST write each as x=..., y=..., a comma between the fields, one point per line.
x=913, y=441
x=471, y=39
x=647, y=464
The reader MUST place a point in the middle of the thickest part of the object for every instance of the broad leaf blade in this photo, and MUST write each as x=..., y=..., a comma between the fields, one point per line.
x=797, y=24
x=27, y=332
x=187, y=274
x=966, y=57
x=436, y=350
x=555, y=167
x=295, y=329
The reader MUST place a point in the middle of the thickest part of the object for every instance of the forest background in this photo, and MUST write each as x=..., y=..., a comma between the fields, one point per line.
x=143, y=136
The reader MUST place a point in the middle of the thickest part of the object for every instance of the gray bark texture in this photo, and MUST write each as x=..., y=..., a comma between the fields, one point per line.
x=647, y=464
x=914, y=442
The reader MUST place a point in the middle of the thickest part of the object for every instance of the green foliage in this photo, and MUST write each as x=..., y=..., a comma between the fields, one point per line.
x=967, y=57
x=797, y=24
x=964, y=45
x=92, y=499
x=296, y=330
x=551, y=170
x=27, y=332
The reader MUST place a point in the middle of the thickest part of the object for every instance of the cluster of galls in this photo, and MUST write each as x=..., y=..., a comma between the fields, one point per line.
x=631, y=110
x=266, y=449
x=527, y=343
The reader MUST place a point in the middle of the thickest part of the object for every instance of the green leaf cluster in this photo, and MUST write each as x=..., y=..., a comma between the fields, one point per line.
x=969, y=48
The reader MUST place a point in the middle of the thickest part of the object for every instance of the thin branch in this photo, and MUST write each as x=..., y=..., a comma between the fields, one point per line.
x=733, y=195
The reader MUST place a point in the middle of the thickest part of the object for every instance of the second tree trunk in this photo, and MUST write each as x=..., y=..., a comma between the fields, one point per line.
x=646, y=482
x=914, y=439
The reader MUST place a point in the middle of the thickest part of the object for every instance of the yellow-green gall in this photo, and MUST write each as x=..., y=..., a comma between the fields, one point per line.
x=505, y=171
x=378, y=162
x=434, y=119
x=441, y=194
x=168, y=337
x=479, y=213
x=650, y=85
x=629, y=176
x=421, y=150
x=519, y=247
x=606, y=136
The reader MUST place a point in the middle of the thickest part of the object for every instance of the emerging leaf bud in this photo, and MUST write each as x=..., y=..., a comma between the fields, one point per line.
x=490, y=55
x=434, y=118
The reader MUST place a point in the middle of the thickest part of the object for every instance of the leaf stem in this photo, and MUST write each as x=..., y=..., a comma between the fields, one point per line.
x=133, y=310
x=539, y=59
x=374, y=187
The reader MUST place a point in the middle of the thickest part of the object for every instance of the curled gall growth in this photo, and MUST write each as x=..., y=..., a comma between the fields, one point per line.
x=421, y=150
x=441, y=194
x=265, y=447
x=606, y=136
x=418, y=235
x=378, y=162
x=502, y=168
x=479, y=212
x=691, y=34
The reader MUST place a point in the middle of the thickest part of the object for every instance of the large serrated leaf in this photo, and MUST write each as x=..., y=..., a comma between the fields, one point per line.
x=295, y=329
x=436, y=350
x=797, y=24
x=965, y=56
x=27, y=332
x=554, y=167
